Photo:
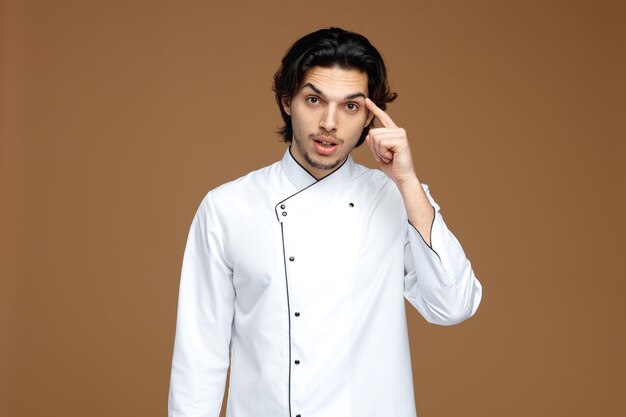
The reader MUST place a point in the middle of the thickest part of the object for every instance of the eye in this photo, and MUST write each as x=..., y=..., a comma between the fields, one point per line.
x=352, y=107
x=312, y=99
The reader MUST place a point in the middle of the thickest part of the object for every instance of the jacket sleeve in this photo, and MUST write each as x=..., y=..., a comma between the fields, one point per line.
x=204, y=321
x=439, y=281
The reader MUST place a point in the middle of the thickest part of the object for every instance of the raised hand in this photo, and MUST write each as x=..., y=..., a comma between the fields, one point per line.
x=390, y=147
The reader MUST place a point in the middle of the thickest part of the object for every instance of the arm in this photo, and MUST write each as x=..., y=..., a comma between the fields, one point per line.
x=203, y=328
x=418, y=207
x=439, y=281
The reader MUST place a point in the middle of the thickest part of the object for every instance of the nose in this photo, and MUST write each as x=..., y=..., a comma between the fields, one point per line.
x=329, y=119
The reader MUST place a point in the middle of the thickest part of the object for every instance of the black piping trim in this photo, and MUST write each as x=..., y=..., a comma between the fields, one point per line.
x=282, y=236
x=307, y=171
x=336, y=169
x=308, y=186
x=431, y=233
x=282, y=201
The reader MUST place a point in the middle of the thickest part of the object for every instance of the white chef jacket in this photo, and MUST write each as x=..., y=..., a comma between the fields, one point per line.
x=303, y=282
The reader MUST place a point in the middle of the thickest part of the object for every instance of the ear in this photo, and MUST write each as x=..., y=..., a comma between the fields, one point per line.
x=286, y=102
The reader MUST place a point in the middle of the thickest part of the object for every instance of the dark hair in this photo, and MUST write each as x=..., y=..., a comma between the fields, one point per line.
x=328, y=48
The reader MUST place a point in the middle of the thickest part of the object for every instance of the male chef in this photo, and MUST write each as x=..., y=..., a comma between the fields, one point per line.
x=295, y=275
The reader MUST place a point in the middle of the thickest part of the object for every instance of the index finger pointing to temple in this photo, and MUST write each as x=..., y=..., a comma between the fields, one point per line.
x=378, y=112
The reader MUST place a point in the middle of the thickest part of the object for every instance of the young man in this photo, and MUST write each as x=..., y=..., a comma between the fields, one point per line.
x=299, y=270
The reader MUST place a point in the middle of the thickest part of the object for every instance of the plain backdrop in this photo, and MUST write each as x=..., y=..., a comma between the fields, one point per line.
x=117, y=117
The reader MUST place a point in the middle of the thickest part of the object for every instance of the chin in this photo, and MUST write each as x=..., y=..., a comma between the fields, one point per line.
x=323, y=163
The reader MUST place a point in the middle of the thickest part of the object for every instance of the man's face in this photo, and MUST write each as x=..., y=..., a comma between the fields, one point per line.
x=328, y=115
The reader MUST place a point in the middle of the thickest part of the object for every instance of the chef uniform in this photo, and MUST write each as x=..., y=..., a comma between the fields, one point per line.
x=303, y=281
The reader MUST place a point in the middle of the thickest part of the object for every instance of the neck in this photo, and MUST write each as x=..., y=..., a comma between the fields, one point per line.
x=317, y=173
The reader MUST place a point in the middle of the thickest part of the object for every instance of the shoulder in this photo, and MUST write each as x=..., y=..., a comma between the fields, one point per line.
x=382, y=191
x=244, y=188
x=374, y=181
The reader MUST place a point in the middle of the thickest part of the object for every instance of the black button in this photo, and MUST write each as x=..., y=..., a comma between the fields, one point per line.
x=298, y=415
x=282, y=206
x=297, y=314
x=297, y=362
x=291, y=258
x=284, y=213
x=351, y=204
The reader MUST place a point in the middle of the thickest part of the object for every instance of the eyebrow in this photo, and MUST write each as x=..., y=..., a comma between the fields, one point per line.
x=318, y=91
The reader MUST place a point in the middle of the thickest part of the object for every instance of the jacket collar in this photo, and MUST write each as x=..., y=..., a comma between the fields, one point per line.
x=311, y=191
x=301, y=178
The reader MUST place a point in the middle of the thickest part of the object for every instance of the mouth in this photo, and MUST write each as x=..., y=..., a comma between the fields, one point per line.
x=325, y=145
x=325, y=140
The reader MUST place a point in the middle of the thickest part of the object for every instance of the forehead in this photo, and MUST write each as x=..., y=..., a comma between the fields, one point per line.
x=337, y=80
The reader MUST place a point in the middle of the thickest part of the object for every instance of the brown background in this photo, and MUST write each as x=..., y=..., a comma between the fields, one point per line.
x=118, y=117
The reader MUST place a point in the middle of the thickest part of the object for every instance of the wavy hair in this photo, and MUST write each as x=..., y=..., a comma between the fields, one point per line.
x=328, y=48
